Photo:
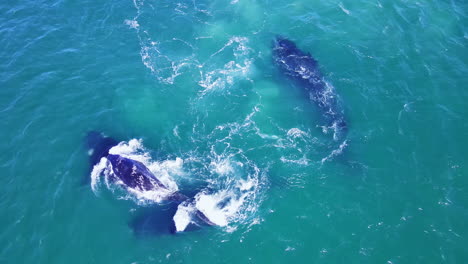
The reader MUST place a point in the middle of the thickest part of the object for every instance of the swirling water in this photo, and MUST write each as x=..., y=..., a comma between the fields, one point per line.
x=195, y=83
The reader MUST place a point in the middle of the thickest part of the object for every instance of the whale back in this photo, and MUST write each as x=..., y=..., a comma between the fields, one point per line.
x=297, y=64
x=134, y=174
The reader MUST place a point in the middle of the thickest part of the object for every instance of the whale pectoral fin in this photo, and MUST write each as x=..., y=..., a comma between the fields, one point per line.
x=204, y=219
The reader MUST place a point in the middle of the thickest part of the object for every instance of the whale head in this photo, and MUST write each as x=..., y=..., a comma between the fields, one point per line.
x=283, y=47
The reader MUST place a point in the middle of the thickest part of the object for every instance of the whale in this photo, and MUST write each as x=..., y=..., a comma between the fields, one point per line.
x=303, y=69
x=126, y=172
x=133, y=175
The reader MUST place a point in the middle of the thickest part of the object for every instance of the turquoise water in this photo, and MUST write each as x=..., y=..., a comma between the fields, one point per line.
x=195, y=82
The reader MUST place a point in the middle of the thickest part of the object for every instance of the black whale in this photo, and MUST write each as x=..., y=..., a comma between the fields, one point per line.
x=303, y=69
x=130, y=173
x=136, y=175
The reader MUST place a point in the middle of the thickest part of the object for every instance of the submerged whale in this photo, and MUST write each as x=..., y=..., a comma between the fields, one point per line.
x=302, y=68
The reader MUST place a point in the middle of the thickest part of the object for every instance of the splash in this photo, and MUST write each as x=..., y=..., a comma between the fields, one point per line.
x=336, y=152
x=235, y=184
x=224, y=208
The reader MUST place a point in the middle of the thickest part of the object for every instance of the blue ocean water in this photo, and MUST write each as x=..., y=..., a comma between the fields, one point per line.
x=190, y=88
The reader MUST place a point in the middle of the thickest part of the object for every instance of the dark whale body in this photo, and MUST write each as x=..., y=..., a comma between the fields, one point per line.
x=136, y=175
x=129, y=173
x=133, y=173
x=303, y=69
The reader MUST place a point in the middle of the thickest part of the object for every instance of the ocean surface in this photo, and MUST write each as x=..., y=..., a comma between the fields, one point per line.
x=190, y=87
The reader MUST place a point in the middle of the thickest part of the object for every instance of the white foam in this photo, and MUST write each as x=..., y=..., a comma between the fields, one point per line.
x=336, y=152
x=219, y=79
x=132, y=148
x=301, y=161
x=145, y=197
x=344, y=9
x=221, y=207
x=222, y=167
x=239, y=68
x=234, y=201
x=167, y=66
x=183, y=217
x=175, y=132
x=245, y=185
x=132, y=23
x=208, y=205
x=296, y=132
x=96, y=172
x=237, y=179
